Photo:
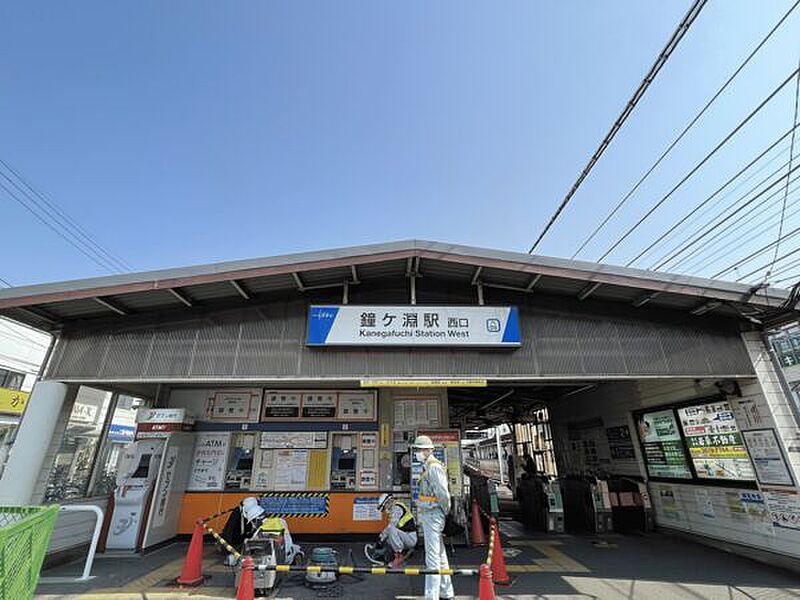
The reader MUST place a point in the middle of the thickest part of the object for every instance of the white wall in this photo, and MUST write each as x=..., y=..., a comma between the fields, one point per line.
x=716, y=512
x=22, y=349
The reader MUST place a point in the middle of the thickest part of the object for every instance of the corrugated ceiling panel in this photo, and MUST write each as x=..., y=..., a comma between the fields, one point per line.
x=141, y=301
x=211, y=291
x=76, y=308
x=270, y=284
x=326, y=276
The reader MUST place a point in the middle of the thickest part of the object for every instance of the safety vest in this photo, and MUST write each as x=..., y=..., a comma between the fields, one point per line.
x=406, y=522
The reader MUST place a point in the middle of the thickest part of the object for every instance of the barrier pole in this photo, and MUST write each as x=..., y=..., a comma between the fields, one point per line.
x=87, y=566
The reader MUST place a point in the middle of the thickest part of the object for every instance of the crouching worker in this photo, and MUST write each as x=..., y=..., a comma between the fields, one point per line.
x=398, y=538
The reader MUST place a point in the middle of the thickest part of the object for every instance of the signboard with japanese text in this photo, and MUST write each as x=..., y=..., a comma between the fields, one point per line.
x=242, y=406
x=280, y=405
x=350, y=325
x=12, y=402
x=771, y=467
x=319, y=405
x=784, y=508
x=620, y=443
x=293, y=439
x=715, y=442
x=209, y=461
x=663, y=448
x=356, y=406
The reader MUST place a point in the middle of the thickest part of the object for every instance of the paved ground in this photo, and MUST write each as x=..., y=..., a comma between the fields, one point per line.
x=619, y=567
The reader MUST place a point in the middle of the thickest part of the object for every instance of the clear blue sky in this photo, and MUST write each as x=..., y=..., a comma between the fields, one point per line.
x=190, y=132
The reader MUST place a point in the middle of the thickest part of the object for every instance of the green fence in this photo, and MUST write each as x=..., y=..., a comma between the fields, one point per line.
x=24, y=536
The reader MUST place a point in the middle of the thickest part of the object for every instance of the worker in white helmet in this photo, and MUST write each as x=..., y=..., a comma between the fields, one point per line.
x=433, y=506
x=399, y=535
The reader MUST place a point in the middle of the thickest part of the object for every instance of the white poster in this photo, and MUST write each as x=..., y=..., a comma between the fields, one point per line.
x=294, y=439
x=784, y=508
x=263, y=470
x=209, y=461
x=366, y=509
x=765, y=452
x=757, y=512
x=356, y=406
x=241, y=406
x=704, y=504
x=291, y=469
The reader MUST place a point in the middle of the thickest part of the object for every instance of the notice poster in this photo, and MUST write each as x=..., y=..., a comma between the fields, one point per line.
x=209, y=461
x=663, y=447
x=263, y=474
x=291, y=469
x=770, y=466
x=620, y=442
x=296, y=505
x=784, y=508
x=757, y=513
x=715, y=443
x=356, y=406
x=704, y=504
x=280, y=405
x=319, y=405
x=669, y=504
x=366, y=509
x=294, y=439
x=241, y=406
x=416, y=411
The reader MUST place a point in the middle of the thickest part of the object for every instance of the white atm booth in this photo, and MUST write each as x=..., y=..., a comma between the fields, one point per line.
x=151, y=478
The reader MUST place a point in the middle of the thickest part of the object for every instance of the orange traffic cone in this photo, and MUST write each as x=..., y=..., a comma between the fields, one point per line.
x=486, y=588
x=247, y=584
x=192, y=572
x=499, y=573
x=478, y=536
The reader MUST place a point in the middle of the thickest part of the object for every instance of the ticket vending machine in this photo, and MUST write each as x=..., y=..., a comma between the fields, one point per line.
x=151, y=477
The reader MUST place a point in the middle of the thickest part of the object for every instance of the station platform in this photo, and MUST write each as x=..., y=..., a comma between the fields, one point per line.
x=613, y=567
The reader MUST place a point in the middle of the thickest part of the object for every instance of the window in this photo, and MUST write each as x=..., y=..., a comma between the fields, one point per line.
x=11, y=380
x=697, y=442
x=72, y=469
x=120, y=433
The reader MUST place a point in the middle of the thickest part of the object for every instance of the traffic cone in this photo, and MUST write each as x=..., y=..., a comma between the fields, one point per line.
x=486, y=588
x=247, y=584
x=499, y=573
x=478, y=536
x=192, y=572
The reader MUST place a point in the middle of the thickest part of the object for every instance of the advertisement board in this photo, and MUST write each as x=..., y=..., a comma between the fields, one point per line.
x=715, y=443
x=352, y=325
x=209, y=461
x=663, y=448
x=768, y=460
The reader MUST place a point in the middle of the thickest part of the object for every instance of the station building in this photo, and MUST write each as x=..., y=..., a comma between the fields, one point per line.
x=302, y=378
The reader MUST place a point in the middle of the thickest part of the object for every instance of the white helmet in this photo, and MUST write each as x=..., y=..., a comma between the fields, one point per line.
x=251, y=509
x=384, y=500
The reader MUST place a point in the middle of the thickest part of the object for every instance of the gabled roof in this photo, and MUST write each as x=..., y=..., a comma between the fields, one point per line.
x=51, y=305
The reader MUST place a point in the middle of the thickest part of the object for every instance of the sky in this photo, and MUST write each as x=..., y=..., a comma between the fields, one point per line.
x=188, y=132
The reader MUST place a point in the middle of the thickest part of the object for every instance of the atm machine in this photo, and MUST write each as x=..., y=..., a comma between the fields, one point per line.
x=152, y=475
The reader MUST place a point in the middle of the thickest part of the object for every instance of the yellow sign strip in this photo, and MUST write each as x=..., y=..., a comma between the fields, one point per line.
x=423, y=383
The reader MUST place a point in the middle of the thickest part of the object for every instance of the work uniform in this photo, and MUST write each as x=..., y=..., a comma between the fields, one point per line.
x=433, y=505
x=401, y=532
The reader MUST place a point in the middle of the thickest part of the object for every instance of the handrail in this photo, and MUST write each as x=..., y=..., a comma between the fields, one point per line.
x=87, y=566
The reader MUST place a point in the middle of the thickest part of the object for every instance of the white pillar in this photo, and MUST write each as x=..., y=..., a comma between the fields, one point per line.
x=34, y=435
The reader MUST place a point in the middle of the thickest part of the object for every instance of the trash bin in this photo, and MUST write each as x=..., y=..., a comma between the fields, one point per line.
x=24, y=537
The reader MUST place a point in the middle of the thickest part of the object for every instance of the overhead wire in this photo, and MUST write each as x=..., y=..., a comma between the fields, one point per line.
x=759, y=252
x=713, y=195
x=99, y=260
x=686, y=242
x=661, y=60
x=698, y=166
x=791, y=152
x=686, y=129
x=65, y=220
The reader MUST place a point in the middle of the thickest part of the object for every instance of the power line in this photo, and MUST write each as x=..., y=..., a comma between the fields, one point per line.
x=672, y=43
x=728, y=217
x=712, y=196
x=65, y=220
x=759, y=269
x=758, y=252
x=791, y=152
x=687, y=128
x=698, y=166
x=678, y=249
x=5, y=283
x=58, y=232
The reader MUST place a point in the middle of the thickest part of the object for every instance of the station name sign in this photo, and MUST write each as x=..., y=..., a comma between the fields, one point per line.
x=351, y=325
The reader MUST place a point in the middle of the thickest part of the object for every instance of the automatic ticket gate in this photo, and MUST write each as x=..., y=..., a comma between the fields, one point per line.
x=541, y=505
x=587, y=505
